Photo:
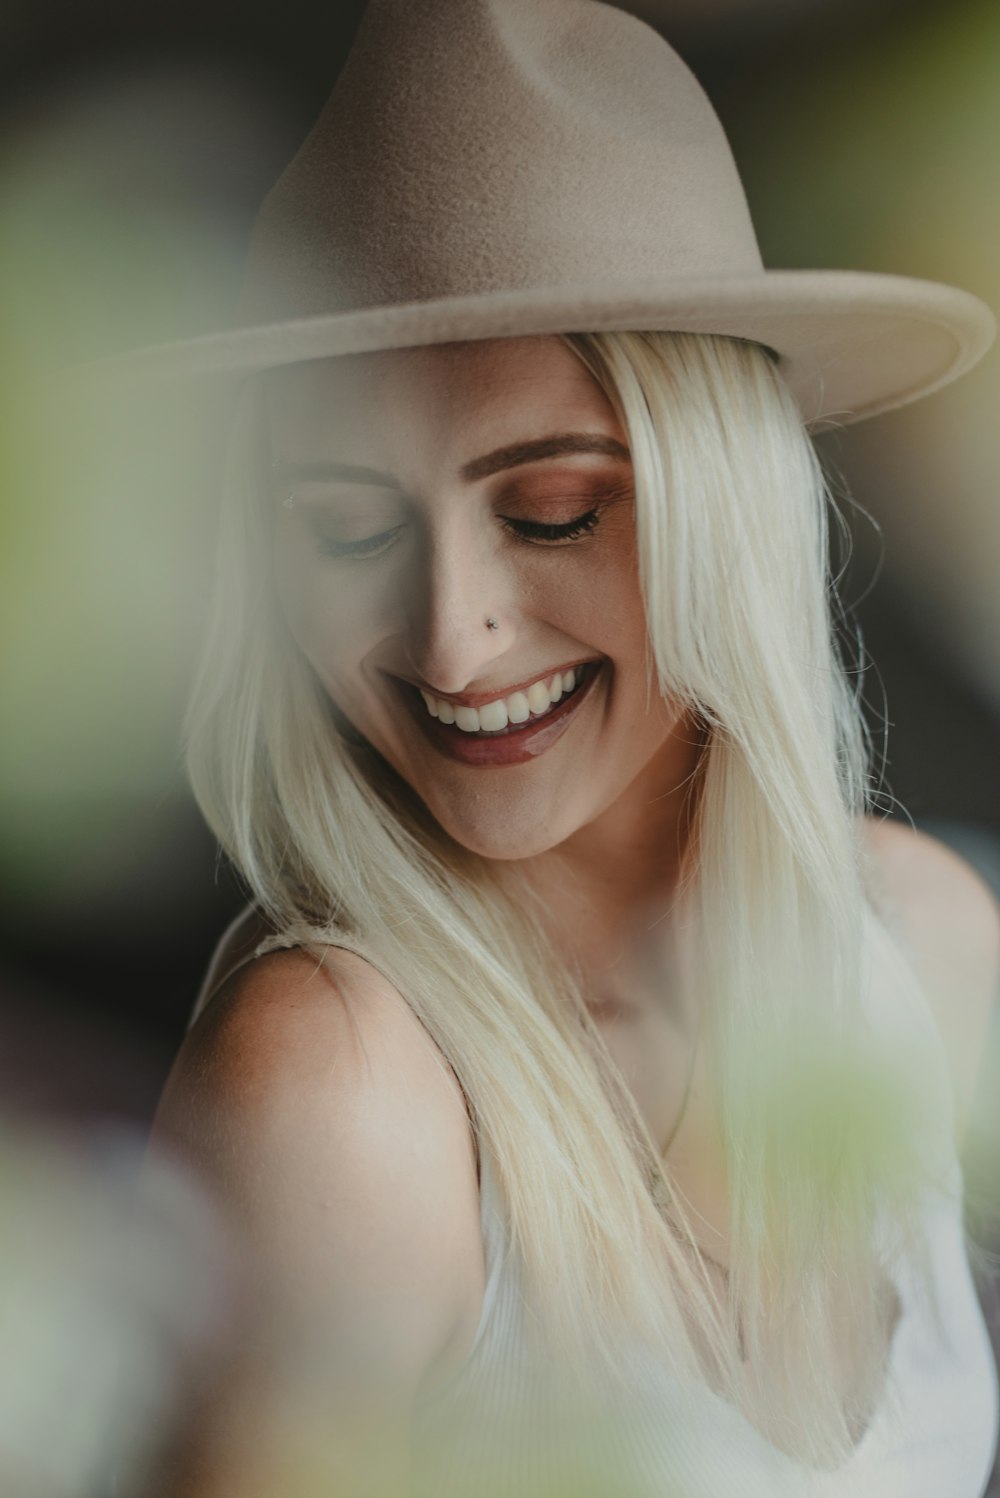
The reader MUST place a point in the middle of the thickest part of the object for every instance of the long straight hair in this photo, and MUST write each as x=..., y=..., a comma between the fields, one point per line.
x=829, y=1090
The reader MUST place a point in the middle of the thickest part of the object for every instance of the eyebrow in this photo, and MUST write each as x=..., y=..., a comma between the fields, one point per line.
x=563, y=445
x=515, y=455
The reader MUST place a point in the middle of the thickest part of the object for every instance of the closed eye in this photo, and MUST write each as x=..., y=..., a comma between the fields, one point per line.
x=524, y=530
x=371, y=546
x=538, y=530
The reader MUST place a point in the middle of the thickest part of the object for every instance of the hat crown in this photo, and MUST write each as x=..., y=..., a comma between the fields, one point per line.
x=480, y=146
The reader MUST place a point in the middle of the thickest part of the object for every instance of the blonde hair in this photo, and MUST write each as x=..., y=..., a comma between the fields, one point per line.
x=823, y=1113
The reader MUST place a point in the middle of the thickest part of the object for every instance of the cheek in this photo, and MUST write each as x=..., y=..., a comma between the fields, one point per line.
x=609, y=596
x=334, y=618
x=592, y=592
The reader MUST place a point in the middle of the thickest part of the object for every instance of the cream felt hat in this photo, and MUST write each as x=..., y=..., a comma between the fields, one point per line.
x=489, y=168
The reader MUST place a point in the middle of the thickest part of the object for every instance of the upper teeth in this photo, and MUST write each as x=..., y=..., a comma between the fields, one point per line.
x=517, y=708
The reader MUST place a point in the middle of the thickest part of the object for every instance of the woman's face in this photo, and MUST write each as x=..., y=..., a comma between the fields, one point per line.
x=417, y=493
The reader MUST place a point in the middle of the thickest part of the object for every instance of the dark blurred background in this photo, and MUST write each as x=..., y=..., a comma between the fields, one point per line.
x=136, y=142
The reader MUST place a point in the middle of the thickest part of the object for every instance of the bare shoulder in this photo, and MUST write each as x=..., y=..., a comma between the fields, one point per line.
x=951, y=923
x=321, y=1109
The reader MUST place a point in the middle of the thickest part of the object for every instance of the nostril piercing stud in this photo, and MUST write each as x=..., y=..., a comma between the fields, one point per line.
x=492, y=623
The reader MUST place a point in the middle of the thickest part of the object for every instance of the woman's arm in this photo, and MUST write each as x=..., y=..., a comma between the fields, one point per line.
x=325, y=1119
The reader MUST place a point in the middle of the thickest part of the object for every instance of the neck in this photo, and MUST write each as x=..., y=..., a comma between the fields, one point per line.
x=610, y=887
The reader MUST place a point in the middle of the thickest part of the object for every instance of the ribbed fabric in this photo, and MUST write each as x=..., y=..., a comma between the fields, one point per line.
x=933, y=1436
x=492, y=1431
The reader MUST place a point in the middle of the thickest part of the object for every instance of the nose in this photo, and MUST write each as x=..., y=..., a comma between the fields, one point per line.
x=458, y=583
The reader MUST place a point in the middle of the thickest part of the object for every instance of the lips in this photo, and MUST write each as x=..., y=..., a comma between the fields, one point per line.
x=513, y=745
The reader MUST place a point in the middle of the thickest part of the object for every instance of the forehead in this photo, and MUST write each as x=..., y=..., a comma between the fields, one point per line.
x=453, y=394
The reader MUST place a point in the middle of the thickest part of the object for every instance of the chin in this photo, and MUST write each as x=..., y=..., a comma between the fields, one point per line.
x=503, y=842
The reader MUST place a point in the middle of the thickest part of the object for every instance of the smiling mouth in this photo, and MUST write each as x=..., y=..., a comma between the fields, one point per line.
x=578, y=678
x=514, y=744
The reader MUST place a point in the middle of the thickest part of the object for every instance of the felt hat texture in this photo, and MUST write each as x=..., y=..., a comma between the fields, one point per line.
x=493, y=168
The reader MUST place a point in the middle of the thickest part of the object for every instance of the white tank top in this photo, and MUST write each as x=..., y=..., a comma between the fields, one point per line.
x=933, y=1436
x=486, y=1432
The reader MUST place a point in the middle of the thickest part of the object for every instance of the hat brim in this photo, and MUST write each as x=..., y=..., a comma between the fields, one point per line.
x=850, y=344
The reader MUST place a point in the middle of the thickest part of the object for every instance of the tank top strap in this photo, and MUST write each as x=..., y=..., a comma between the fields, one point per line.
x=275, y=941
x=324, y=939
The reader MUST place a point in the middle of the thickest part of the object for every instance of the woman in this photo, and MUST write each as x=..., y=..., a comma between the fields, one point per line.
x=586, y=1046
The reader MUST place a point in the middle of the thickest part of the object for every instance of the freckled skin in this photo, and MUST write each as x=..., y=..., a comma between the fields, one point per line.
x=606, y=794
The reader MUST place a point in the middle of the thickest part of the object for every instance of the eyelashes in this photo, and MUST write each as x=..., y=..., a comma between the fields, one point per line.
x=569, y=530
x=528, y=531
x=371, y=546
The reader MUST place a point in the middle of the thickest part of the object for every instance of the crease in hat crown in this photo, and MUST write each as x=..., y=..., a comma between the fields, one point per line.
x=495, y=168
x=484, y=146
